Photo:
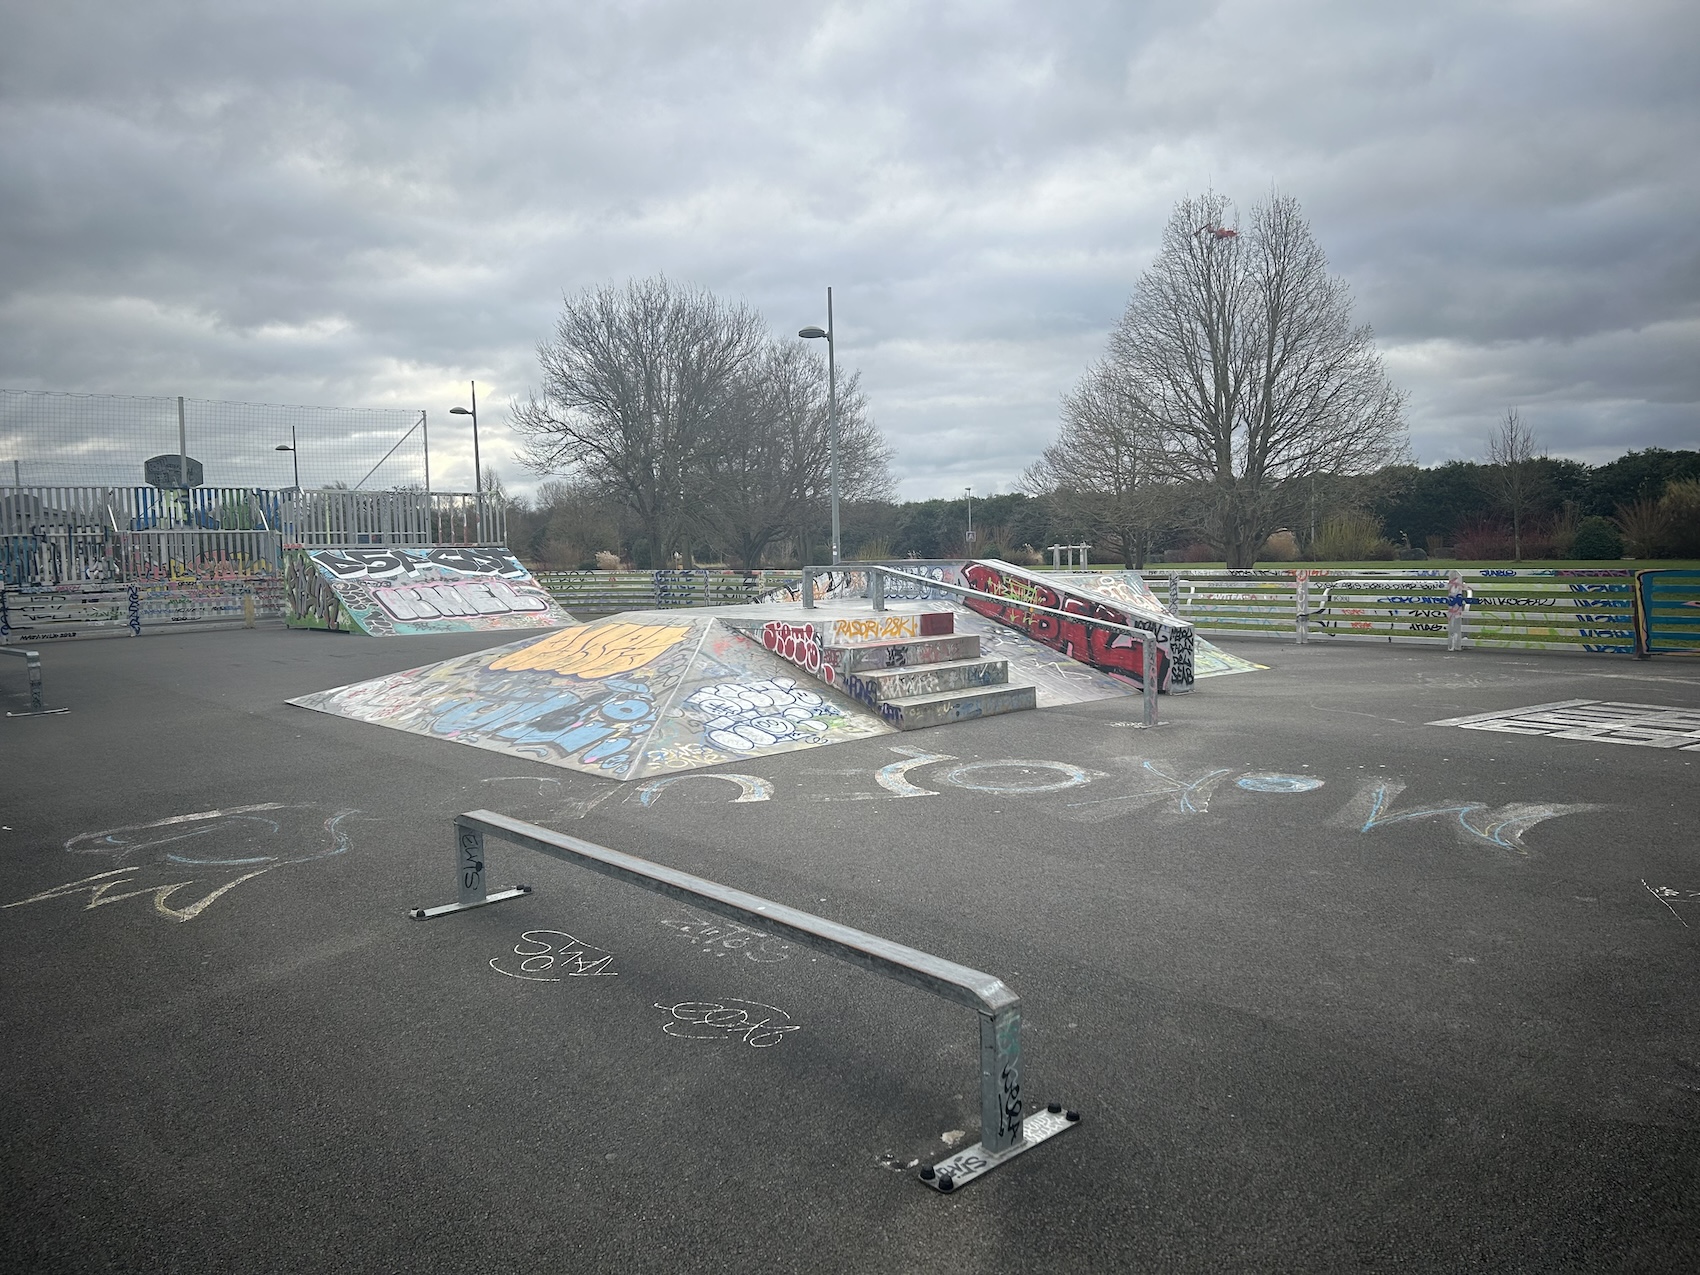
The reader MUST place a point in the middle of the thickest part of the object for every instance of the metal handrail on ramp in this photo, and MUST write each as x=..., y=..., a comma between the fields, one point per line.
x=1147, y=640
x=1004, y=1129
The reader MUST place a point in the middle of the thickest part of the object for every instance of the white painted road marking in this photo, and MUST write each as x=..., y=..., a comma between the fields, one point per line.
x=1594, y=721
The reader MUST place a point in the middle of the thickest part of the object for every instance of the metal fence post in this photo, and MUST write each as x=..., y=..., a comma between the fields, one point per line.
x=1455, y=603
x=1000, y=1079
x=1174, y=595
x=1301, y=608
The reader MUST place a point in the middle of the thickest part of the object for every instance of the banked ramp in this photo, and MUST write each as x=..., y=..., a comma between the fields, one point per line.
x=398, y=591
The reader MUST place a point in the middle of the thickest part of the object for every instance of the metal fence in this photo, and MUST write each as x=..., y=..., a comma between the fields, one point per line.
x=53, y=536
x=588, y=594
x=339, y=517
x=131, y=610
x=1579, y=610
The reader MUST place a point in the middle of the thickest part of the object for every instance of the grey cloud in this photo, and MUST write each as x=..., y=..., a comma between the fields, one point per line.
x=369, y=204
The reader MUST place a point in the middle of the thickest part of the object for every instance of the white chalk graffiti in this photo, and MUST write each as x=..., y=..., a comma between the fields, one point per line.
x=972, y=777
x=753, y=788
x=716, y=1020
x=240, y=837
x=728, y=938
x=548, y=956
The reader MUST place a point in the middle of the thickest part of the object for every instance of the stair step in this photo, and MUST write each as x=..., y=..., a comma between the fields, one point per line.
x=880, y=686
x=919, y=711
x=901, y=652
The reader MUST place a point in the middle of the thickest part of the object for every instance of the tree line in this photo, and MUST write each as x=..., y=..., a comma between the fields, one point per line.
x=1454, y=510
x=1237, y=414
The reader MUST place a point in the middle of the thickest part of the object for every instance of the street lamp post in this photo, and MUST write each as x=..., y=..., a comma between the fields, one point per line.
x=809, y=334
x=477, y=464
x=970, y=494
x=294, y=455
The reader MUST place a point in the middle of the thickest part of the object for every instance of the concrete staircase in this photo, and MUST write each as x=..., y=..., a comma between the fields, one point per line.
x=914, y=682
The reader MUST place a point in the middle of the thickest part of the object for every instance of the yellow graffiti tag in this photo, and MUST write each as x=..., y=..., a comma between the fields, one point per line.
x=596, y=650
x=873, y=629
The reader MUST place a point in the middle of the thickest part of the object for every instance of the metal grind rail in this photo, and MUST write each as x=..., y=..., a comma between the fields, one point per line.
x=1005, y=1131
x=1147, y=639
x=32, y=660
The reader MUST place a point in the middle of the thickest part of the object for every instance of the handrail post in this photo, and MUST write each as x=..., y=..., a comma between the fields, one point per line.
x=469, y=864
x=808, y=588
x=876, y=586
x=1000, y=1079
x=32, y=662
x=1148, y=688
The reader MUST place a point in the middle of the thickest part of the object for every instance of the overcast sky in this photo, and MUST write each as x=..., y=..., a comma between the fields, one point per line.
x=369, y=204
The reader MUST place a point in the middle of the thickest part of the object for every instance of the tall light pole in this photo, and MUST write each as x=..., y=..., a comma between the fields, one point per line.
x=969, y=491
x=294, y=455
x=809, y=334
x=477, y=464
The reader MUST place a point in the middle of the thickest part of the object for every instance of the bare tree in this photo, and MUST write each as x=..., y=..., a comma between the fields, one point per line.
x=1516, y=477
x=766, y=469
x=1100, y=471
x=1239, y=349
x=635, y=382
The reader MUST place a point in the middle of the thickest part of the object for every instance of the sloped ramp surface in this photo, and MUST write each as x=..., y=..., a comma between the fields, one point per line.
x=1129, y=587
x=398, y=591
x=636, y=695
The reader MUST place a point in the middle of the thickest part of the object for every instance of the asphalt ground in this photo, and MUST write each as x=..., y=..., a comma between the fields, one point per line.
x=1306, y=1032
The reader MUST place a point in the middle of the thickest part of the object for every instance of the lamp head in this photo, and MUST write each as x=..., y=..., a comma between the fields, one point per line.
x=283, y=447
x=459, y=411
x=811, y=333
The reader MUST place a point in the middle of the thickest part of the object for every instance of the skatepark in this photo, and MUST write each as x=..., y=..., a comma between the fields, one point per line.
x=1359, y=957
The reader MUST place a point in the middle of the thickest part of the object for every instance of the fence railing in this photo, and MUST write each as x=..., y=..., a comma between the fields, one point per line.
x=878, y=575
x=1581, y=610
x=589, y=594
x=132, y=610
x=52, y=536
x=334, y=516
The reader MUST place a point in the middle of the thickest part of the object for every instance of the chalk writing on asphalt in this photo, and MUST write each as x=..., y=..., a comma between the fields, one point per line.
x=727, y=938
x=758, y=1026
x=548, y=956
x=251, y=840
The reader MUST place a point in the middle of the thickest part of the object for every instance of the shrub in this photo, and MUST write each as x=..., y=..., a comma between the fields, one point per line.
x=1646, y=527
x=1351, y=537
x=1597, y=540
x=874, y=551
x=1681, y=503
x=1483, y=541
x=1026, y=556
x=606, y=561
x=1283, y=546
x=1198, y=552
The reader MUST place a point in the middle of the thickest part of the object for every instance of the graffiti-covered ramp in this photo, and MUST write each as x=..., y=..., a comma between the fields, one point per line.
x=636, y=695
x=396, y=591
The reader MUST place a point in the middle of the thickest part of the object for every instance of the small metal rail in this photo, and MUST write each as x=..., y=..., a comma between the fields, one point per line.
x=1147, y=640
x=32, y=660
x=1004, y=1131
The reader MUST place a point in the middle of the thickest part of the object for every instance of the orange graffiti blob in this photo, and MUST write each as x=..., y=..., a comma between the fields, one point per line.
x=596, y=650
